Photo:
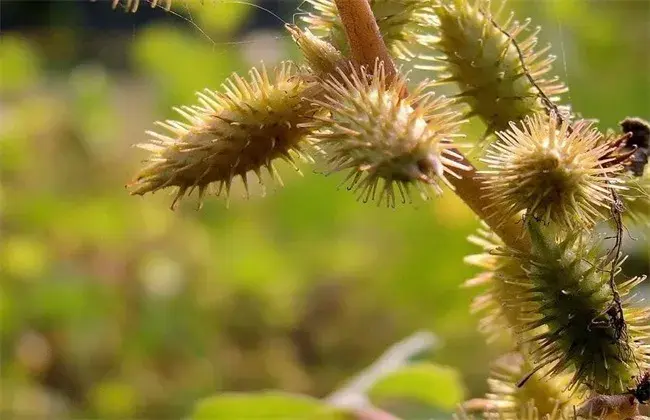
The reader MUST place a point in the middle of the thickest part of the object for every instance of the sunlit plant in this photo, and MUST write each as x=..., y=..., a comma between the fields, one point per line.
x=555, y=290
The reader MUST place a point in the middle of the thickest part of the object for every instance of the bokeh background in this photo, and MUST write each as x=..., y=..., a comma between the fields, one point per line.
x=115, y=307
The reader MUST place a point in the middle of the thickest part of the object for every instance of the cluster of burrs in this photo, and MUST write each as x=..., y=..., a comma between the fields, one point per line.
x=352, y=118
x=553, y=291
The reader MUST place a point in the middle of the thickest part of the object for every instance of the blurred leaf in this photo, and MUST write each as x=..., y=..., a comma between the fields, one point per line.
x=435, y=385
x=20, y=64
x=7, y=309
x=90, y=86
x=267, y=405
x=67, y=300
x=182, y=64
x=218, y=16
x=114, y=400
x=23, y=257
x=23, y=125
x=101, y=219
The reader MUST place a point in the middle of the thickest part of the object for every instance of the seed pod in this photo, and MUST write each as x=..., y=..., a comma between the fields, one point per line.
x=499, y=304
x=323, y=58
x=230, y=134
x=381, y=137
x=527, y=412
x=399, y=21
x=505, y=400
x=554, y=172
x=480, y=57
x=585, y=334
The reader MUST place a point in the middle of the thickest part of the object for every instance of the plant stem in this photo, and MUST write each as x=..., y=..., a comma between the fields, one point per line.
x=470, y=188
x=367, y=46
x=353, y=395
x=366, y=43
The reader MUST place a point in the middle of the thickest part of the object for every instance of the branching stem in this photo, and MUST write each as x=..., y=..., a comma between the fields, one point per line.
x=367, y=46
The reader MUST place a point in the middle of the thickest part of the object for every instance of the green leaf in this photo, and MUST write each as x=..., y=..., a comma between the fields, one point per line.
x=266, y=405
x=21, y=64
x=435, y=385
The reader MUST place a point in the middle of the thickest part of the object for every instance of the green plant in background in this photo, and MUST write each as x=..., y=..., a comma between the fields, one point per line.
x=117, y=308
x=567, y=315
x=247, y=298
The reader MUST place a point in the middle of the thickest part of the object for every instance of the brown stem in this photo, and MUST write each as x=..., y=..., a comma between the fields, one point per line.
x=471, y=189
x=366, y=43
x=367, y=46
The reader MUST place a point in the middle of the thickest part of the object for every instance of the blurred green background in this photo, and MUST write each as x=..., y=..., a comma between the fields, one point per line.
x=115, y=307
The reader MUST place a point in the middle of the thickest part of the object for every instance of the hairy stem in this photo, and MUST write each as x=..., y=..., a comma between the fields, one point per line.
x=367, y=47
